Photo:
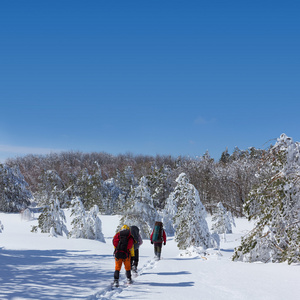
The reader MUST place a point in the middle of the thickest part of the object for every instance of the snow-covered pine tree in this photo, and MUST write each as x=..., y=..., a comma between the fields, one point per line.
x=14, y=190
x=225, y=156
x=190, y=223
x=231, y=220
x=275, y=205
x=52, y=219
x=50, y=185
x=86, y=225
x=159, y=181
x=97, y=194
x=89, y=188
x=125, y=181
x=94, y=225
x=222, y=221
x=168, y=215
x=121, y=203
x=111, y=196
x=78, y=215
x=139, y=209
x=175, y=198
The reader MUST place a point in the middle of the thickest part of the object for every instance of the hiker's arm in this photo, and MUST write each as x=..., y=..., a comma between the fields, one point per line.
x=164, y=237
x=116, y=239
x=140, y=240
x=151, y=236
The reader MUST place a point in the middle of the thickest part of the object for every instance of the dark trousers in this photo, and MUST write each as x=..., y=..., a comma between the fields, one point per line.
x=135, y=259
x=157, y=249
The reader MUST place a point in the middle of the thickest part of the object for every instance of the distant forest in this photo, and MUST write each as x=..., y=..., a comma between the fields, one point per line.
x=261, y=185
x=107, y=180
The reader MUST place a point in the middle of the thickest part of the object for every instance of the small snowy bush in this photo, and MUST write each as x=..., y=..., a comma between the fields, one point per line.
x=193, y=252
x=26, y=215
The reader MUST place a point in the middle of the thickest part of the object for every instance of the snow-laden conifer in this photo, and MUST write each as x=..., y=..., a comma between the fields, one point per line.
x=190, y=223
x=86, y=225
x=139, y=209
x=222, y=221
x=52, y=219
x=14, y=190
x=174, y=199
x=159, y=181
x=89, y=188
x=168, y=215
x=50, y=185
x=126, y=180
x=275, y=205
x=94, y=225
x=111, y=196
x=78, y=215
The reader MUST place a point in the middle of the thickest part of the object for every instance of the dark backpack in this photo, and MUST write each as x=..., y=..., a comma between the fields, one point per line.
x=157, y=236
x=134, y=230
x=121, y=251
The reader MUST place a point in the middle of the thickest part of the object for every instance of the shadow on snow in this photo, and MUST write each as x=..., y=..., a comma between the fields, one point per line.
x=50, y=274
x=171, y=273
x=169, y=284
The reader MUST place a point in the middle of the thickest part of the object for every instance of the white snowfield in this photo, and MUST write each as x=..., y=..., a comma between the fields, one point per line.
x=36, y=266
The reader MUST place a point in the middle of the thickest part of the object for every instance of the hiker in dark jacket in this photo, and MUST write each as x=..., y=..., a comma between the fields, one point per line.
x=123, y=255
x=135, y=232
x=158, y=241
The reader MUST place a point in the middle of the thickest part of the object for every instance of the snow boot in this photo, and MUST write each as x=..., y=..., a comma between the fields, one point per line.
x=116, y=283
x=116, y=279
x=128, y=275
x=134, y=269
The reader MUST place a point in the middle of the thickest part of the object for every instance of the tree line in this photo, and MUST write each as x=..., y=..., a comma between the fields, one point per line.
x=106, y=180
x=262, y=185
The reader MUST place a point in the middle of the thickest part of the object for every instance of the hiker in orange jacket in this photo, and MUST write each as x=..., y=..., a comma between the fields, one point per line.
x=123, y=242
x=158, y=243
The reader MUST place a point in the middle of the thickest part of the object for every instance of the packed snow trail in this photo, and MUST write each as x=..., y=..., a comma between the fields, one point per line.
x=111, y=293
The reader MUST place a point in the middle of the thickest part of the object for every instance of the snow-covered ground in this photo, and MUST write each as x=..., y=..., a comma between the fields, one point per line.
x=36, y=266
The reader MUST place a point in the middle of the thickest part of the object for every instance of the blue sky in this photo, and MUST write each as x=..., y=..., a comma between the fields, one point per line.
x=147, y=77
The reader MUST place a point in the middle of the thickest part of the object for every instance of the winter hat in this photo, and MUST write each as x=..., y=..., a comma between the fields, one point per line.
x=125, y=227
